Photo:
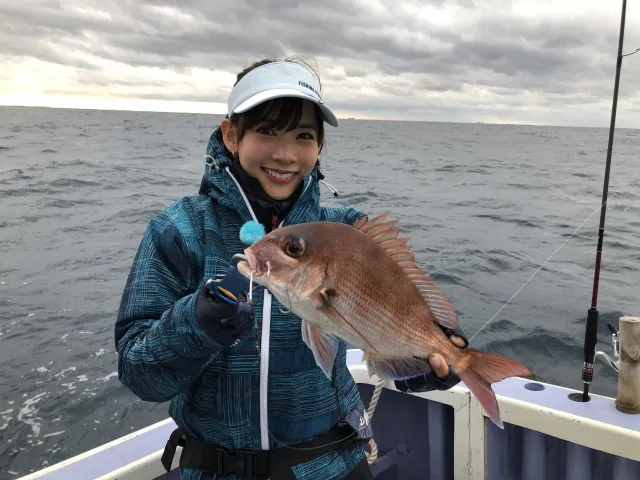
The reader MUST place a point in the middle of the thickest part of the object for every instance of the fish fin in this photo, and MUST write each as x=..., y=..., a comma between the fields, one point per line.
x=399, y=243
x=483, y=369
x=386, y=235
x=323, y=302
x=323, y=345
x=364, y=224
x=361, y=221
x=397, y=368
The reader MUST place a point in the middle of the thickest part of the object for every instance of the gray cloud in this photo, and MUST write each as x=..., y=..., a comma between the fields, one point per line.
x=488, y=59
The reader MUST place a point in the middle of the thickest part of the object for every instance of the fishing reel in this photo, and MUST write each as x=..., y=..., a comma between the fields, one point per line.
x=615, y=340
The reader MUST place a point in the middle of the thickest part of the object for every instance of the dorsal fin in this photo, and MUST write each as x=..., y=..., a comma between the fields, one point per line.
x=385, y=233
x=364, y=224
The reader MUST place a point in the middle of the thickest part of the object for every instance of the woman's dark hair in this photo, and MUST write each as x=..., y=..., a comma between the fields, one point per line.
x=282, y=113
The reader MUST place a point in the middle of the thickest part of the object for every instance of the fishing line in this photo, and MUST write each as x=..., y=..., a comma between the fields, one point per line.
x=604, y=196
x=536, y=272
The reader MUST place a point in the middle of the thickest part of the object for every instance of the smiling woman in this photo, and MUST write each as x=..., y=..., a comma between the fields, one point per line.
x=278, y=157
x=237, y=368
x=278, y=141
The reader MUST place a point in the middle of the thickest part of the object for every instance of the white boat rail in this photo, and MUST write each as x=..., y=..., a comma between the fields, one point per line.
x=545, y=431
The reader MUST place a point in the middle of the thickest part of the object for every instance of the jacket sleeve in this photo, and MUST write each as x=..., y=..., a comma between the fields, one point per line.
x=162, y=348
x=352, y=215
x=341, y=214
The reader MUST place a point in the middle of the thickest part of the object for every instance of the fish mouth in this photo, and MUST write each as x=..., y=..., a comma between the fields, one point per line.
x=248, y=264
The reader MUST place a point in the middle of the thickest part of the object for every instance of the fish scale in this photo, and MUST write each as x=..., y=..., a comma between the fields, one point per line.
x=361, y=285
x=389, y=304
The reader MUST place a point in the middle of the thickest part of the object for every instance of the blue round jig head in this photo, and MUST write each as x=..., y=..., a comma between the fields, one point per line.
x=251, y=232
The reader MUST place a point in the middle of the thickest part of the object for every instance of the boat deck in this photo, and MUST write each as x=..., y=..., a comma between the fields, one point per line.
x=546, y=436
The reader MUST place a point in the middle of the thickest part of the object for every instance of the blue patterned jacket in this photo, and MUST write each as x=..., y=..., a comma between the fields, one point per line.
x=243, y=396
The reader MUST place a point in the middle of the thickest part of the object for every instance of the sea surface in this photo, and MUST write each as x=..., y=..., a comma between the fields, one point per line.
x=485, y=205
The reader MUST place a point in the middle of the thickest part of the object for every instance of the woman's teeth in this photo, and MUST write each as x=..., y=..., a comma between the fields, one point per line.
x=283, y=176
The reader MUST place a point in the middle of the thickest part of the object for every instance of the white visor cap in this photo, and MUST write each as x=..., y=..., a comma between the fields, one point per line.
x=276, y=80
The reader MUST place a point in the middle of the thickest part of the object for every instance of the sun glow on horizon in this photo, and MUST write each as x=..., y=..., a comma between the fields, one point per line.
x=84, y=102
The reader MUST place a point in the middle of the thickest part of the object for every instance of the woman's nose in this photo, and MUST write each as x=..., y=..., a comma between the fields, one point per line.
x=284, y=152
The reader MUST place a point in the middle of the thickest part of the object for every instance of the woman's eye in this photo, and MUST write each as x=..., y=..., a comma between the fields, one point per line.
x=265, y=130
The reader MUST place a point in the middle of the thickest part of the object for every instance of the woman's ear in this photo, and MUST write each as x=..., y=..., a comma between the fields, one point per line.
x=229, y=135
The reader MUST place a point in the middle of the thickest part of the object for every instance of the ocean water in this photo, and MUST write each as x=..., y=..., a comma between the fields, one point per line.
x=485, y=205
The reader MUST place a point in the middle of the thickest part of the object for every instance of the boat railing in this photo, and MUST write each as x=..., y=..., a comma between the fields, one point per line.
x=546, y=435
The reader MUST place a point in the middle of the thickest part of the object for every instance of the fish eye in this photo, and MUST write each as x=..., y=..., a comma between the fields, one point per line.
x=294, y=247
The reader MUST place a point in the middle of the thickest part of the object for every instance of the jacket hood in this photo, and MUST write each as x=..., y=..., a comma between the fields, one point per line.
x=219, y=184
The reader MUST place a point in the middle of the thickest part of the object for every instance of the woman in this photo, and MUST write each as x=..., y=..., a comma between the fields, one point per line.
x=245, y=391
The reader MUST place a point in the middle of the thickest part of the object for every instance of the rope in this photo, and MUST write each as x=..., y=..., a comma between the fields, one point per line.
x=372, y=456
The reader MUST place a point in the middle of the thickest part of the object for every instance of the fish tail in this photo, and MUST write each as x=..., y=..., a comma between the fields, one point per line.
x=480, y=369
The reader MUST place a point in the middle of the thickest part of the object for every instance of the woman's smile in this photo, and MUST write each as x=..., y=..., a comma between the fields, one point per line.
x=278, y=176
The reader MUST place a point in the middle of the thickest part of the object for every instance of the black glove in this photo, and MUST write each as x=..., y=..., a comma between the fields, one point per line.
x=222, y=308
x=430, y=381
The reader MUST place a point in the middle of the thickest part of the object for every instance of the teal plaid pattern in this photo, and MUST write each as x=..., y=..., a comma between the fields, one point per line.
x=165, y=355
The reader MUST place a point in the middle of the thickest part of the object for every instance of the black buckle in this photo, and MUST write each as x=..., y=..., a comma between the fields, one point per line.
x=244, y=463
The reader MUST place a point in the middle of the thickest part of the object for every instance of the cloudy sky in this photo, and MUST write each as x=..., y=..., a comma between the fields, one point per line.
x=510, y=61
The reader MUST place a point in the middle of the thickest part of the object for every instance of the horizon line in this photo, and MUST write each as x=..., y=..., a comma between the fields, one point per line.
x=345, y=118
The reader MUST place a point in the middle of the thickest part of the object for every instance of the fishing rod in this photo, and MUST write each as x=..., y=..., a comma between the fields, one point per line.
x=591, y=333
x=591, y=330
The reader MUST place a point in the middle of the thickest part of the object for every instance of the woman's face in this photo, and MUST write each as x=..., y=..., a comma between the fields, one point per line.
x=276, y=158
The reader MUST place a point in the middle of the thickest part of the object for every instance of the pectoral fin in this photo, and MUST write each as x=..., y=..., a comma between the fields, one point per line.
x=397, y=369
x=323, y=345
x=323, y=303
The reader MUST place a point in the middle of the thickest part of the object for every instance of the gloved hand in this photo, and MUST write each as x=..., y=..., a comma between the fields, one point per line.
x=222, y=307
x=431, y=380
